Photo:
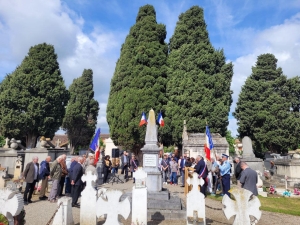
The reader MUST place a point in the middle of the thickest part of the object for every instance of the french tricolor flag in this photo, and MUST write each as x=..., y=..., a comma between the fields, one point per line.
x=209, y=145
x=143, y=119
x=160, y=120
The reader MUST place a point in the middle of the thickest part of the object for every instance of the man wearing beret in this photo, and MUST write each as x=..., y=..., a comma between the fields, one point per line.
x=225, y=174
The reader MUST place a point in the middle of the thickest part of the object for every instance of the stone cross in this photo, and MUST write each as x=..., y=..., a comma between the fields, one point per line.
x=195, y=202
x=195, y=181
x=88, y=200
x=11, y=204
x=112, y=207
x=244, y=206
x=58, y=143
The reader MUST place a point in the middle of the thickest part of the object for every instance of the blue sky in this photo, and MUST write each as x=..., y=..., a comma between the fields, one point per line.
x=89, y=34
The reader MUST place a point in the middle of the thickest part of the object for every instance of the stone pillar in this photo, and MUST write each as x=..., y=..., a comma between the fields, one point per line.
x=64, y=214
x=150, y=156
x=139, y=206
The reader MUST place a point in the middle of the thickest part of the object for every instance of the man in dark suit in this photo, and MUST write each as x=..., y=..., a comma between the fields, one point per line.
x=76, y=182
x=125, y=164
x=238, y=170
x=30, y=174
x=201, y=169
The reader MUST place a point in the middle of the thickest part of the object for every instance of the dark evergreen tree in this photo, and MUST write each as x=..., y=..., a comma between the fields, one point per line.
x=139, y=80
x=82, y=110
x=198, y=87
x=33, y=97
x=268, y=109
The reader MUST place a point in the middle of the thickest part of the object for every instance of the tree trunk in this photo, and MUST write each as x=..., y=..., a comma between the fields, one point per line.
x=31, y=140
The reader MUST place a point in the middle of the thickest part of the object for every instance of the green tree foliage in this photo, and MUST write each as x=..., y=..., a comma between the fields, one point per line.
x=231, y=141
x=139, y=80
x=268, y=107
x=81, y=114
x=198, y=87
x=33, y=97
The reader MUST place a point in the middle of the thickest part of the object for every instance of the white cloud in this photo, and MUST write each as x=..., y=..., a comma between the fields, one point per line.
x=283, y=41
x=37, y=21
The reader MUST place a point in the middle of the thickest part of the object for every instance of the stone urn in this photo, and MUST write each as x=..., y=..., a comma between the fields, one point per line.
x=13, y=144
x=43, y=143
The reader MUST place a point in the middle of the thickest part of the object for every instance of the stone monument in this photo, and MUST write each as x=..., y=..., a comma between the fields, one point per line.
x=18, y=168
x=6, y=143
x=244, y=206
x=64, y=214
x=88, y=200
x=150, y=156
x=249, y=157
x=139, y=198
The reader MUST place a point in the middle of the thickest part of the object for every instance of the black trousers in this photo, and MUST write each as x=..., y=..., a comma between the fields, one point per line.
x=105, y=172
x=61, y=186
x=29, y=189
x=75, y=193
x=125, y=169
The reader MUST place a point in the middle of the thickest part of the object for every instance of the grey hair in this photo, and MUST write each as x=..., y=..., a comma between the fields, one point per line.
x=80, y=158
x=35, y=157
x=91, y=162
x=244, y=164
x=238, y=158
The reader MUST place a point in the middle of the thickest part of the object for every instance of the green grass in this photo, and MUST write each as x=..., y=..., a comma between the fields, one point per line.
x=274, y=203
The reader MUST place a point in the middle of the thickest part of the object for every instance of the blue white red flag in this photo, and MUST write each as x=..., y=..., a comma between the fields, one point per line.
x=209, y=145
x=143, y=119
x=95, y=141
x=160, y=120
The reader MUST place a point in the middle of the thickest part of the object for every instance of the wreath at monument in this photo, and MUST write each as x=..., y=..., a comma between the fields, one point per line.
x=3, y=220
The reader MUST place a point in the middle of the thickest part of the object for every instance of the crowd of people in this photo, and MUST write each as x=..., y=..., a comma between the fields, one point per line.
x=214, y=172
x=60, y=173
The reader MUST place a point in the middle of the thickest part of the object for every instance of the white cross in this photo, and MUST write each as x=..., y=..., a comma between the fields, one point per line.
x=90, y=179
x=58, y=143
x=11, y=204
x=195, y=181
x=242, y=207
x=112, y=207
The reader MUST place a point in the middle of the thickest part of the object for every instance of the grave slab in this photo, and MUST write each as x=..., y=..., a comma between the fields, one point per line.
x=64, y=214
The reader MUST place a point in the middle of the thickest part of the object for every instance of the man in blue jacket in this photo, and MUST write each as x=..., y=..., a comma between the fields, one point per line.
x=76, y=182
x=44, y=176
x=201, y=169
x=225, y=174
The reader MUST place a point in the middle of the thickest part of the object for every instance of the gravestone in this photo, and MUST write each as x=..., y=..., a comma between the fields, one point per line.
x=58, y=143
x=64, y=214
x=88, y=200
x=112, y=207
x=244, y=206
x=3, y=177
x=139, y=198
x=6, y=143
x=18, y=168
x=11, y=204
x=249, y=157
x=195, y=202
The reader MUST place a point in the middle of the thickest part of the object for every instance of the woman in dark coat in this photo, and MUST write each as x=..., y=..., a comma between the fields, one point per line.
x=107, y=168
x=134, y=164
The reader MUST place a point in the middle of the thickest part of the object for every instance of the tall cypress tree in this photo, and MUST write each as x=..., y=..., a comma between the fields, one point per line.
x=139, y=80
x=33, y=97
x=198, y=87
x=267, y=110
x=81, y=115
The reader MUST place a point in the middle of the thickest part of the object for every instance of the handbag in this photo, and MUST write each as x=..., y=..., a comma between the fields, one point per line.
x=178, y=173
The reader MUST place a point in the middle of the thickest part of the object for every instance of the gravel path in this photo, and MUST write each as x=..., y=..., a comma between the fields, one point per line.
x=39, y=212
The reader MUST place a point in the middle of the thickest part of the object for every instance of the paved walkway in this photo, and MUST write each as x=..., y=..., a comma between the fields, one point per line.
x=39, y=212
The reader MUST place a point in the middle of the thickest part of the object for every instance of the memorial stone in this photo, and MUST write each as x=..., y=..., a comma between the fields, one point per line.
x=6, y=143
x=139, y=198
x=18, y=168
x=88, y=200
x=244, y=206
x=112, y=207
x=195, y=202
x=64, y=214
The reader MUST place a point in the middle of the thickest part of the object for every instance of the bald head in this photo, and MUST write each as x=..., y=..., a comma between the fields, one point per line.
x=244, y=165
